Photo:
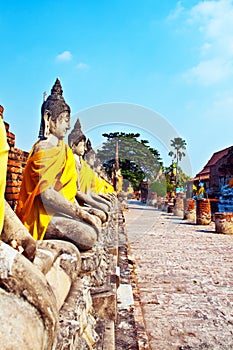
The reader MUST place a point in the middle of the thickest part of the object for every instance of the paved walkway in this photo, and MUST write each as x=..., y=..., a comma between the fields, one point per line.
x=184, y=275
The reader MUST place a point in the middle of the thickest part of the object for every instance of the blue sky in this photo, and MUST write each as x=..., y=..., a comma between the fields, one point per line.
x=172, y=57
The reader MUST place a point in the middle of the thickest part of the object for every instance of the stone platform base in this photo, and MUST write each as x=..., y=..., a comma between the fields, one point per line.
x=224, y=223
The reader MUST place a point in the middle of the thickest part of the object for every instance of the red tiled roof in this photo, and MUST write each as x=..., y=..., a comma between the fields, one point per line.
x=204, y=173
x=201, y=177
x=218, y=155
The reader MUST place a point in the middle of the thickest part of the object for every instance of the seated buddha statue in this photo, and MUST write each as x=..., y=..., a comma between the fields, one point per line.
x=103, y=186
x=47, y=204
x=87, y=193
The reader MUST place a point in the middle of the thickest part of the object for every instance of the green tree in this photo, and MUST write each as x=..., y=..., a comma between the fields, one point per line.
x=183, y=178
x=177, y=154
x=158, y=187
x=137, y=160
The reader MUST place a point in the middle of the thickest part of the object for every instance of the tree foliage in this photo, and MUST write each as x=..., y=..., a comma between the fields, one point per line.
x=178, y=144
x=138, y=161
x=183, y=178
x=159, y=187
x=170, y=177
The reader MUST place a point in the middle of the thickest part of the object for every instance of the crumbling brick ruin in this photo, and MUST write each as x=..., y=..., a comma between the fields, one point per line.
x=16, y=162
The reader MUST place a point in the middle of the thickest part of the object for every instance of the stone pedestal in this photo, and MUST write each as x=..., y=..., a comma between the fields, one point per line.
x=77, y=320
x=224, y=223
x=164, y=206
x=203, y=212
x=21, y=324
x=190, y=210
x=179, y=207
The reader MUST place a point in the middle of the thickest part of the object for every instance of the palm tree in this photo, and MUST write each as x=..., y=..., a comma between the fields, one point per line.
x=178, y=144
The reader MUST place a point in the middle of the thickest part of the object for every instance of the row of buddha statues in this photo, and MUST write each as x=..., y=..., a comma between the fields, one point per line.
x=64, y=196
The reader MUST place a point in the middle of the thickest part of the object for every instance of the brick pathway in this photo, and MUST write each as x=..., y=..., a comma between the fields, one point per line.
x=184, y=276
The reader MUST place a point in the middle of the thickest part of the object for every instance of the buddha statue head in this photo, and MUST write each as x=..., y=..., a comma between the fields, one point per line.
x=98, y=166
x=53, y=109
x=90, y=154
x=77, y=140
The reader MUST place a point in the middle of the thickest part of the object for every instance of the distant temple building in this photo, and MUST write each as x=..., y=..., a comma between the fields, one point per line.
x=217, y=172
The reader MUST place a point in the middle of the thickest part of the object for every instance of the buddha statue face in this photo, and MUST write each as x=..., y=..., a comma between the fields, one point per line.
x=59, y=126
x=91, y=160
x=90, y=157
x=79, y=148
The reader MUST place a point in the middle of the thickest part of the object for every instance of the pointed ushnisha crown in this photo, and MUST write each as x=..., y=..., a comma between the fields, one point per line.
x=76, y=134
x=89, y=152
x=54, y=105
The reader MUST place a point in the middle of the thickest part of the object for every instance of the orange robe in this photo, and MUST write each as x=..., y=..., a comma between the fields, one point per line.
x=86, y=178
x=4, y=148
x=47, y=168
x=99, y=185
x=109, y=187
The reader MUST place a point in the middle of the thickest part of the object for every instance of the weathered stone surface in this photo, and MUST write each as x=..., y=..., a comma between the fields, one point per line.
x=107, y=330
x=77, y=320
x=59, y=282
x=95, y=266
x=179, y=207
x=61, y=263
x=224, y=223
x=20, y=277
x=105, y=304
x=83, y=286
x=21, y=324
x=203, y=212
x=13, y=229
x=190, y=210
x=70, y=258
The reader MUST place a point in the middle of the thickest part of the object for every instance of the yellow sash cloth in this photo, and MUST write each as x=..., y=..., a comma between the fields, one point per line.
x=90, y=181
x=54, y=167
x=102, y=185
x=86, y=178
x=109, y=187
x=4, y=148
x=98, y=185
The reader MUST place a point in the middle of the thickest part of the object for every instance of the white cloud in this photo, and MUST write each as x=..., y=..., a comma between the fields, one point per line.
x=176, y=12
x=64, y=56
x=82, y=65
x=209, y=72
x=213, y=20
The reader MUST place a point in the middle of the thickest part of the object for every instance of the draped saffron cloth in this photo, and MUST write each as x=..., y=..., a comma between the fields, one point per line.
x=4, y=148
x=54, y=167
x=102, y=185
x=86, y=178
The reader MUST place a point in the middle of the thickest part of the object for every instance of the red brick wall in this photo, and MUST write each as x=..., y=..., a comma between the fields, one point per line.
x=16, y=163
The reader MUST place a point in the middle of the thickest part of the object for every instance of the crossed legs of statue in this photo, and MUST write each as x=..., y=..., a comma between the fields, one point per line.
x=81, y=234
